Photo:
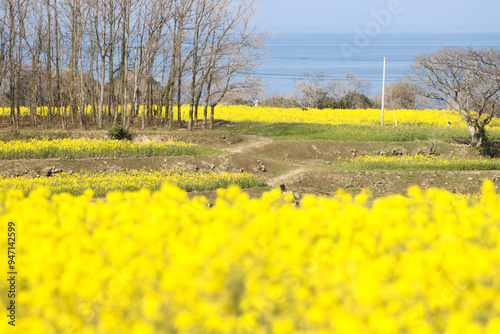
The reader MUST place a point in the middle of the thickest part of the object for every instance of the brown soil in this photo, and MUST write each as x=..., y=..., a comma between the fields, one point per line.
x=301, y=166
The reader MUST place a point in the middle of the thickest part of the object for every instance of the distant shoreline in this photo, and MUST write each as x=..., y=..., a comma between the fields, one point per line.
x=291, y=55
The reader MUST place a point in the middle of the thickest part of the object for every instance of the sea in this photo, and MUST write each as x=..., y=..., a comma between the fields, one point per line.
x=291, y=55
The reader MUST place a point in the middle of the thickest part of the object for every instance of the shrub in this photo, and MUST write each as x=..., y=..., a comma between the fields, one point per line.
x=118, y=132
x=349, y=101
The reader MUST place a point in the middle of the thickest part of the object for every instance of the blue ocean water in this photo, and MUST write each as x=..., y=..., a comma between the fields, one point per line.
x=293, y=55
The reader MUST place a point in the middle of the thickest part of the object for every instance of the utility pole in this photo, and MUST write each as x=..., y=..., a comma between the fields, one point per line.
x=383, y=96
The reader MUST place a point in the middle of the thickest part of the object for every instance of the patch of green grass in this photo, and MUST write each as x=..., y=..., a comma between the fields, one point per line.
x=418, y=163
x=326, y=132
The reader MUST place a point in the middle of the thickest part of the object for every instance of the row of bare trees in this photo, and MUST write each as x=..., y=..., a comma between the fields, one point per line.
x=71, y=55
x=317, y=91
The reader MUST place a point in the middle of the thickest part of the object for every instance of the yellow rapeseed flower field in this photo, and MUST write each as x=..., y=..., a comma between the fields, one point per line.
x=87, y=148
x=101, y=184
x=370, y=117
x=143, y=262
x=420, y=162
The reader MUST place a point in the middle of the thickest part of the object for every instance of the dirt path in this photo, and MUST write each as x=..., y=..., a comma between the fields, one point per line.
x=278, y=180
x=251, y=142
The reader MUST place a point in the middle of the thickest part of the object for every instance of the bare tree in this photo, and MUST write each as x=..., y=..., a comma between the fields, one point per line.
x=59, y=95
x=316, y=91
x=310, y=88
x=352, y=84
x=467, y=80
x=31, y=33
x=72, y=24
x=128, y=9
x=235, y=49
x=399, y=95
x=104, y=34
x=15, y=15
x=4, y=39
x=48, y=65
x=182, y=10
x=200, y=38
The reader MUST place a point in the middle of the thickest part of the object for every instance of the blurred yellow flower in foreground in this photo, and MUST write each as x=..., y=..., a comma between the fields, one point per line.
x=160, y=262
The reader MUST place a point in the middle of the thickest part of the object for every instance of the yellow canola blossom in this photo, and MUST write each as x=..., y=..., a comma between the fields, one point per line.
x=420, y=162
x=368, y=117
x=159, y=262
x=101, y=184
x=86, y=148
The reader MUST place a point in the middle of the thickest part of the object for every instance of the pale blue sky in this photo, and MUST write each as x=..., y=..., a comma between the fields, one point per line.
x=332, y=16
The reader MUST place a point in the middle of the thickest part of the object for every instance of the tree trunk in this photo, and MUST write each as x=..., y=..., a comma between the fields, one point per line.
x=100, y=112
x=179, y=69
x=190, y=120
x=207, y=100
x=94, y=84
x=111, y=94
x=179, y=83
x=169, y=94
x=82, y=112
x=49, y=66
x=12, y=69
x=34, y=87
x=196, y=105
x=112, y=113
x=123, y=65
x=212, y=112
x=192, y=99
x=478, y=138
x=73, y=64
x=58, y=70
x=136, y=72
